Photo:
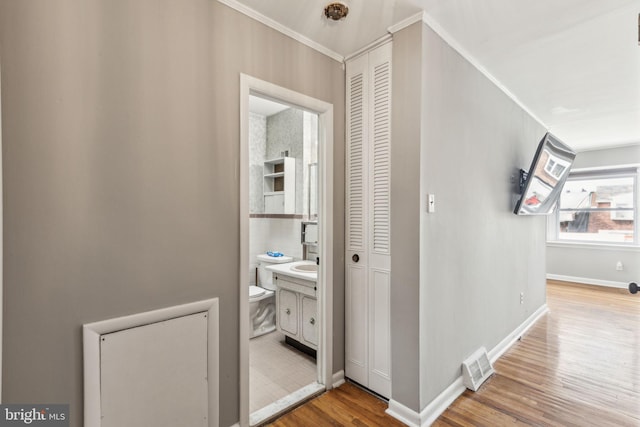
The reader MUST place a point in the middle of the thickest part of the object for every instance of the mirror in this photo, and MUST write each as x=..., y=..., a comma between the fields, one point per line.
x=283, y=145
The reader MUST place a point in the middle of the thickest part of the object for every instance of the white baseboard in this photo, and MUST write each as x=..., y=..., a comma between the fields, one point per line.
x=337, y=379
x=235, y=425
x=507, y=342
x=432, y=411
x=587, y=281
x=438, y=405
x=442, y=402
x=400, y=412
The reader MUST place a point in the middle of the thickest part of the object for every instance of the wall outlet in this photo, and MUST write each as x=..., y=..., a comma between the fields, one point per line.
x=521, y=298
x=619, y=266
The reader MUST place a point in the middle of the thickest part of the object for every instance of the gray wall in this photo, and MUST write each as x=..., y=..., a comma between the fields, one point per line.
x=475, y=255
x=597, y=263
x=120, y=165
x=405, y=216
x=627, y=155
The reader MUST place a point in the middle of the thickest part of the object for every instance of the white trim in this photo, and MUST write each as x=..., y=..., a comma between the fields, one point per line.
x=91, y=344
x=593, y=246
x=455, y=45
x=432, y=411
x=400, y=412
x=251, y=85
x=281, y=406
x=1, y=238
x=437, y=406
x=338, y=379
x=379, y=42
x=406, y=22
x=509, y=340
x=588, y=281
x=244, y=250
x=442, y=402
x=251, y=13
x=621, y=144
x=612, y=168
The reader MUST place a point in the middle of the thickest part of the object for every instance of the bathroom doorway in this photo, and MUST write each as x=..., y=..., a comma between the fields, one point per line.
x=286, y=228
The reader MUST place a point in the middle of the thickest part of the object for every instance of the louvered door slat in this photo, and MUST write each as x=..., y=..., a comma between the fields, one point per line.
x=381, y=157
x=356, y=313
x=355, y=159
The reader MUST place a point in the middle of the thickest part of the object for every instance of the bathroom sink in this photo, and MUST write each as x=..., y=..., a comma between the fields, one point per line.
x=305, y=268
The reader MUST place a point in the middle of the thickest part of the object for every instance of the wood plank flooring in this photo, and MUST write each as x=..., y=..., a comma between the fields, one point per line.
x=579, y=365
x=346, y=405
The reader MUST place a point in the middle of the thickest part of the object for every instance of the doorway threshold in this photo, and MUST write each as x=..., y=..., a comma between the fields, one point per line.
x=285, y=404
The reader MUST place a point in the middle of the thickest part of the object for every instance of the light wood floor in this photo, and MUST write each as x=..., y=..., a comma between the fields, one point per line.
x=579, y=365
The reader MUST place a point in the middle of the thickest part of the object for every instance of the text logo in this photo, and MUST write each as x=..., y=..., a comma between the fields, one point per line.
x=12, y=415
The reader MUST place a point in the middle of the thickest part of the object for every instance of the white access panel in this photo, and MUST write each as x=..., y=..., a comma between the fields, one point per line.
x=155, y=375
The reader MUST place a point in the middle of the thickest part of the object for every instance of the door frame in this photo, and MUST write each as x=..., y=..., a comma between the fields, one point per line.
x=253, y=86
x=1, y=238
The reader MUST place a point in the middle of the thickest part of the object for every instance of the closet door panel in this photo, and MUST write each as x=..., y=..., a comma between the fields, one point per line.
x=356, y=319
x=379, y=212
x=380, y=333
x=368, y=220
x=356, y=313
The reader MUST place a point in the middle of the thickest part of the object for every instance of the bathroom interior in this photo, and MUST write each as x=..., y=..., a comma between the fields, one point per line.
x=283, y=239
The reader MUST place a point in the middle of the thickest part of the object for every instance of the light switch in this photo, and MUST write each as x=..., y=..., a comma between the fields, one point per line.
x=431, y=203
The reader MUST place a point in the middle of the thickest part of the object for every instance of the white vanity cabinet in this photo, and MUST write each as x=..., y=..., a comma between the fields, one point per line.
x=296, y=309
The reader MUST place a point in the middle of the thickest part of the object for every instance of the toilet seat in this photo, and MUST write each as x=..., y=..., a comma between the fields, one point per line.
x=255, y=291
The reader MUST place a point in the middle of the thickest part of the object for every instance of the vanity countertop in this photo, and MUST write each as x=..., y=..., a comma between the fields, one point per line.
x=290, y=269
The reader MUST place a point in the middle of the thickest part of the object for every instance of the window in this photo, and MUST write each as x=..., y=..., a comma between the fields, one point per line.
x=598, y=207
x=555, y=167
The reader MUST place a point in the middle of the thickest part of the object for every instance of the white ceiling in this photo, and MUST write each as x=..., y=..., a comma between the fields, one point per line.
x=574, y=64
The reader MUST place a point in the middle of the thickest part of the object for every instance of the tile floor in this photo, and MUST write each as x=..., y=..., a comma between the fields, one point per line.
x=276, y=370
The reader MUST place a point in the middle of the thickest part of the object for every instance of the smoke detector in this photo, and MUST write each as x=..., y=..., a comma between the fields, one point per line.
x=336, y=11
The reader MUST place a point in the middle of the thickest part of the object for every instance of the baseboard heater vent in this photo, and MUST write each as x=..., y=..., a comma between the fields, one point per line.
x=476, y=369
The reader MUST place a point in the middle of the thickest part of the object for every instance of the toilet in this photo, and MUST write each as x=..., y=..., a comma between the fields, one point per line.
x=262, y=301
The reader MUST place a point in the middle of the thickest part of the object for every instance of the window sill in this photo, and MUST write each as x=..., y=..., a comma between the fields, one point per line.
x=594, y=246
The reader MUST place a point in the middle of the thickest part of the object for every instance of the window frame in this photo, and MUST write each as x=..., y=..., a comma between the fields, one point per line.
x=553, y=225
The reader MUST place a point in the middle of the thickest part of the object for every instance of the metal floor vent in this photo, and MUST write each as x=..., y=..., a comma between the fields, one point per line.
x=476, y=369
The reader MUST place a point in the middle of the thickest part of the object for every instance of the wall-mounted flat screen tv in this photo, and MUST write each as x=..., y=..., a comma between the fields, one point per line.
x=542, y=185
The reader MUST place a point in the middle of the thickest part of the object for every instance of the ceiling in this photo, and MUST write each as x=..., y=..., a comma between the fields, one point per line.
x=574, y=64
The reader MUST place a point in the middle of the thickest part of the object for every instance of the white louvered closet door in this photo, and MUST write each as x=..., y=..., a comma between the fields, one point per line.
x=368, y=256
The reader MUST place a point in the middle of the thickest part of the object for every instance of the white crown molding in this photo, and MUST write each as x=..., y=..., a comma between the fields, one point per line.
x=455, y=45
x=405, y=23
x=379, y=42
x=621, y=144
x=245, y=10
